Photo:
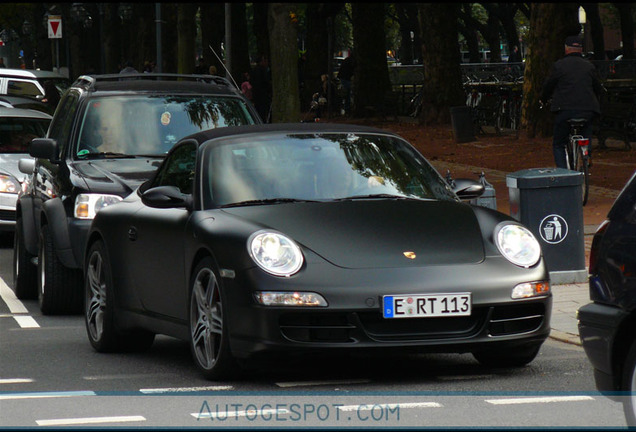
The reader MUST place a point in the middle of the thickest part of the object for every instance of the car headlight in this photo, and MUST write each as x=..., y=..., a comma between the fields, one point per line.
x=517, y=244
x=8, y=184
x=87, y=205
x=275, y=253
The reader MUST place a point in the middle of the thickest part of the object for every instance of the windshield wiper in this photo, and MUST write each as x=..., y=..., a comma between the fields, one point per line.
x=378, y=196
x=105, y=155
x=266, y=201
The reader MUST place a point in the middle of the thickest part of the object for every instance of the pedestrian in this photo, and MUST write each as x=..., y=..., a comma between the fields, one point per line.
x=2, y=65
x=345, y=75
x=246, y=87
x=575, y=87
x=129, y=69
x=260, y=79
x=515, y=55
x=200, y=69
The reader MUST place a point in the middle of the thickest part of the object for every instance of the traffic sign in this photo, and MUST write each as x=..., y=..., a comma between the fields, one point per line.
x=55, y=26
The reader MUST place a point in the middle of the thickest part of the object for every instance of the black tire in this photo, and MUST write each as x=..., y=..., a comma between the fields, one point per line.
x=513, y=357
x=99, y=313
x=628, y=385
x=209, y=340
x=25, y=283
x=583, y=166
x=59, y=288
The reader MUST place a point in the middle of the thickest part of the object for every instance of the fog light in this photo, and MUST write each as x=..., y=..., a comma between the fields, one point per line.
x=531, y=289
x=282, y=298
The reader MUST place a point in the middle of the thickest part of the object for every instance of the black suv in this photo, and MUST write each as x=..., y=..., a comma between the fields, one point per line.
x=108, y=135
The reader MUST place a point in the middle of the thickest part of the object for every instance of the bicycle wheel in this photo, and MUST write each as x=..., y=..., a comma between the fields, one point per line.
x=583, y=166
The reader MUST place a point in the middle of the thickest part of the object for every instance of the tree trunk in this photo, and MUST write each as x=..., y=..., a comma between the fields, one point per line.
x=260, y=28
x=440, y=58
x=212, y=33
x=627, y=29
x=240, y=54
x=596, y=30
x=550, y=24
x=507, y=12
x=410, y=48
x=371, y=75
x=112, y=38
x=284, y=63
x=186, y=30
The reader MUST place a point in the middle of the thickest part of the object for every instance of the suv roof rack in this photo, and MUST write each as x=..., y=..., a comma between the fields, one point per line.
x=88, y=81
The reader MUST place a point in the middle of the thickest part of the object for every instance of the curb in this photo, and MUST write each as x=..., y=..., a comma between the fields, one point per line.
x=561, y=336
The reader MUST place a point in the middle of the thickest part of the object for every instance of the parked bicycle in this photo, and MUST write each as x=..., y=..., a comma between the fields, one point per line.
x=577, y=154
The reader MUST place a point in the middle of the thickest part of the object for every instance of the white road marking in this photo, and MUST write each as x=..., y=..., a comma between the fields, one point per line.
x=235, y=414
x=16, y=307
x=45, y=395
x=185, y=389
x=539, y=399
x=88, y=420
x=371, y=406
x=15, y=380
x=26, y=321
x=319, y=383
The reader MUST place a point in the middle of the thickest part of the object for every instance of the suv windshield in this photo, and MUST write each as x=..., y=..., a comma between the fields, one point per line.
x=150, y=124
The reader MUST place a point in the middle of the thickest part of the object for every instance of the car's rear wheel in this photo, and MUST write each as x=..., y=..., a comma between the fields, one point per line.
x=24, y=276
x=99, y=313
x=59, y=288
x=208, y=324
x=513, y=357
x=629, y=386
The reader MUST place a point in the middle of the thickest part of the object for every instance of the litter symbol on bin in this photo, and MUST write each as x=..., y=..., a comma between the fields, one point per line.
x=553, y=229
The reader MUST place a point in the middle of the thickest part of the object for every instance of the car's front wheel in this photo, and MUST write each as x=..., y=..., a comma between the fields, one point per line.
x=208, y=324
x=513, y=357
x=24, y=279
x=99, y=313
x=59, y=287
x=629, y=386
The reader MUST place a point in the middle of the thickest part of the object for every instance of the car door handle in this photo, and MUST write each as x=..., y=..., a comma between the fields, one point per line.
x=132, y=233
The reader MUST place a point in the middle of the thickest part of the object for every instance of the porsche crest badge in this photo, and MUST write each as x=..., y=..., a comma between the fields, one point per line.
x=410, y=255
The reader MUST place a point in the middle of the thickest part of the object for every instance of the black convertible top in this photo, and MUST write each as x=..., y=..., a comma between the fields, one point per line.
x=211, y=134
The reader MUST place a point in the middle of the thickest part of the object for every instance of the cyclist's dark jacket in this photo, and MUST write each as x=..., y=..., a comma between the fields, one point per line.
x=574, y=84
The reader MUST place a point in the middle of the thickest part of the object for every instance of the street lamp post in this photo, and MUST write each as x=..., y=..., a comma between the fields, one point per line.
x=582, y=21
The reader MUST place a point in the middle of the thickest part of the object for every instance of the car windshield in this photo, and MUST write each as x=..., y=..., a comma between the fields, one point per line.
x=17, y=132
x=151, y=125
x=317, y=167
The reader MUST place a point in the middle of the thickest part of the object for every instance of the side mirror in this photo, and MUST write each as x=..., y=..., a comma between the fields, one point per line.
x=166, y=197
x=26, y=165
x=44, y=148
x=468, y=189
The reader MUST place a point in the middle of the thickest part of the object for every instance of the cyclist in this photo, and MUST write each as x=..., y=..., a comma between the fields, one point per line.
x=575, y=88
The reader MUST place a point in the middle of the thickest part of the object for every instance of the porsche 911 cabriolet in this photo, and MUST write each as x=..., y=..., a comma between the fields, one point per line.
x=288, y=238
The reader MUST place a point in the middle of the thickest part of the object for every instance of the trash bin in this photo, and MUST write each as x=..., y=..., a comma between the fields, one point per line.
x=548, y=202
x=462, y=122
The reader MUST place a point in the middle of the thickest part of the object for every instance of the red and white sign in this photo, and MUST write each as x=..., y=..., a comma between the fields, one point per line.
x=55, y=27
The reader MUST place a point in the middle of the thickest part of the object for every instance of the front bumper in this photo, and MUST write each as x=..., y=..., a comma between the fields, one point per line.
x=7, y=211
x=598, y=326
x=353, y=319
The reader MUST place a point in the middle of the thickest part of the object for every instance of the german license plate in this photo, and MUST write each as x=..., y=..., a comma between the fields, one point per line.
x=426, y=305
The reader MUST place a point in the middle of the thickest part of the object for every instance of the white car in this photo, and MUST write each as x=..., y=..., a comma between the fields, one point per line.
x=17, y=128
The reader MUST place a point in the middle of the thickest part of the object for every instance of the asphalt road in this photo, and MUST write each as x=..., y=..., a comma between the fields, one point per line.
x=50, y=376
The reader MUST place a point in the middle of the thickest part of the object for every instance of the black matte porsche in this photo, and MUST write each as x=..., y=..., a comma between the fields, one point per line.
x=300, y=237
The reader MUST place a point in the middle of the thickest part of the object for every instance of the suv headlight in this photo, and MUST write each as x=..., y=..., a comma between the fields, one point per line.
x=275, y=253
x=87, y=205
x=8, y=184
x=517, y=244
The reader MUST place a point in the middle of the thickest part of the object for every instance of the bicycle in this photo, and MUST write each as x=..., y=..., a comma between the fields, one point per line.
x=577, y=154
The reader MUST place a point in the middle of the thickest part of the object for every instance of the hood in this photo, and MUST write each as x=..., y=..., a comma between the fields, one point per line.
x=377, y=234
x=9, y=164
x=117, y=176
